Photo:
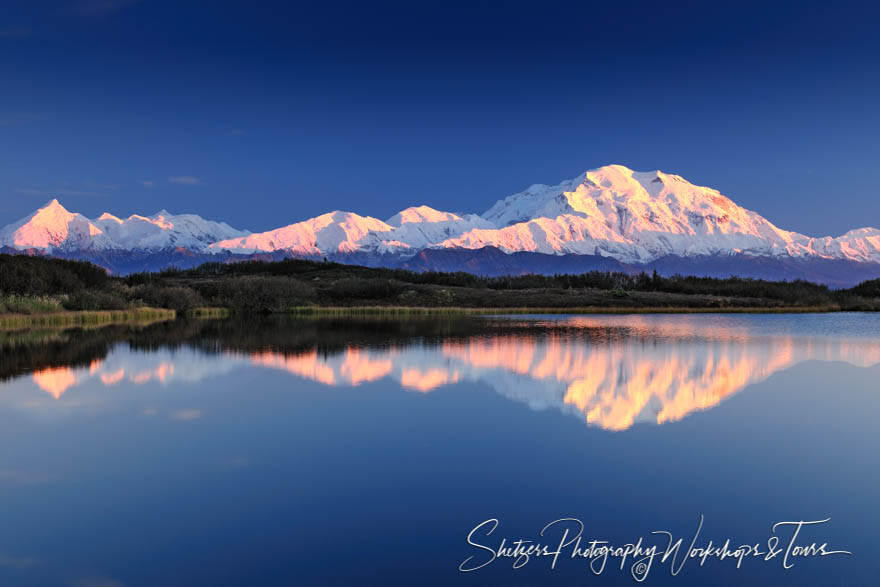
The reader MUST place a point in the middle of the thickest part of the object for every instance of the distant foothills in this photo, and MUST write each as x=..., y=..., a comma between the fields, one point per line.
x=610, y=219
x=37, y=290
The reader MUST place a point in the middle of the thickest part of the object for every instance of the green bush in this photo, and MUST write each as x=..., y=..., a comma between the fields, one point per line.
x=181, y=299
x=260, y=294
x=364, y=289
x=94, y=300
x=36, y=276
x=868, y=289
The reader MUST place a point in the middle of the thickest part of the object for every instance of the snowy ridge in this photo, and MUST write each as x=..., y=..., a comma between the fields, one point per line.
x=335, y=232
x=52, y=228
x=633, y=217
x=637, y=217
x=338, y=232
x=613, y=211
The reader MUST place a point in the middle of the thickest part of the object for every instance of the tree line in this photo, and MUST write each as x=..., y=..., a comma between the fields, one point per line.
x=275, y=286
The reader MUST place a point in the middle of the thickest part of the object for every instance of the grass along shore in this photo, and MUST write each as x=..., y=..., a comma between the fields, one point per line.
x=85, y=317
x=150, y=315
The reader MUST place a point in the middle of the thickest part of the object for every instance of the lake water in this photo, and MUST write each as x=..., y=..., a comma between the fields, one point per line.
x=359, y=452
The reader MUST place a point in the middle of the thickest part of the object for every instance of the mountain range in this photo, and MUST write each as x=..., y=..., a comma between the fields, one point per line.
x=610, y=218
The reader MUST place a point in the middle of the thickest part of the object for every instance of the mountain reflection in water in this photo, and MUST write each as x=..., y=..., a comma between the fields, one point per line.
x=612, y=371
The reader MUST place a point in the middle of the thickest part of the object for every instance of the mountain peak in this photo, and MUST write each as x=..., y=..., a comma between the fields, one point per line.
x=337, y=216
x=415, y=214
x=612, y=176
x=108, y=217
x=49, y=227
x=53, y=204
x=617, y=167
x=52, y=227
x=616, y=174
x=52, y=214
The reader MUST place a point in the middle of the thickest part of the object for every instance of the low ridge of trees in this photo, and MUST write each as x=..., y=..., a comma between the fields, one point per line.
x=267, y=287
x=36, y=276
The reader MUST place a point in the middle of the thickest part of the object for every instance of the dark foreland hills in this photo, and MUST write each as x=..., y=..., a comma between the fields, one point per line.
x=47, y=286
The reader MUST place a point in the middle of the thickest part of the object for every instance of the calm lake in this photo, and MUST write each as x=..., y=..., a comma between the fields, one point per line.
x=354, y=452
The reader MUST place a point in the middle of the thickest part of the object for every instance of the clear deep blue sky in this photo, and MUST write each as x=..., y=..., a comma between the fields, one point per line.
x=266, y=113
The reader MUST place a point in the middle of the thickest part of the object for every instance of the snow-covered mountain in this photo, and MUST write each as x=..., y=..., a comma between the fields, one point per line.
x=53, y=229
x=613, y=211
x=422, y=226
x=334, y=232
x=163, y=230
x=405, y=233
x=638, y=217
x=604, y=216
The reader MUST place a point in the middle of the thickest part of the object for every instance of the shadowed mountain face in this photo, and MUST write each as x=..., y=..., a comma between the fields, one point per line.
x=493, y=262
x=610, y=218
x=608, y=371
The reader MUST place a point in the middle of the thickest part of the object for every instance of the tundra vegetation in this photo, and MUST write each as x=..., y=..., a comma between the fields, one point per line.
x=32, y=285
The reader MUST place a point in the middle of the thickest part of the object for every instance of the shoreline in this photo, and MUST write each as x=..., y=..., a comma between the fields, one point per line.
x=150, y=315
x=85, y=318
x=427, y=311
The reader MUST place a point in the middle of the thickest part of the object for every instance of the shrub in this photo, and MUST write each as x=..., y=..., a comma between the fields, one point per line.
x=868, y=289
x=364, y=289
x=262, y=294
x=26, y=275
x=181, y=299
x=94, y=300
x=28, y=305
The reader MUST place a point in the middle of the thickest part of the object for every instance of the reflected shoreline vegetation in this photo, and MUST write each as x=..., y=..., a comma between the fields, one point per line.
x=610, y=371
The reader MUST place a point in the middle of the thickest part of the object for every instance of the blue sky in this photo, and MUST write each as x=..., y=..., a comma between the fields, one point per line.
x=264, y=113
